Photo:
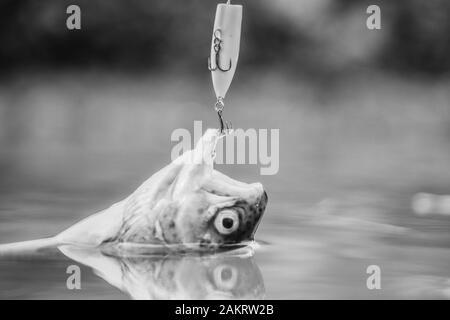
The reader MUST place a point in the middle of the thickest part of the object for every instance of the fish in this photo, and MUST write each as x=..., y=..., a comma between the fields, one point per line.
x=187, y=204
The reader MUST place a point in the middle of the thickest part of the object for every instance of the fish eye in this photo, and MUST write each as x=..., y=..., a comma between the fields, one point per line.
x=226, y=222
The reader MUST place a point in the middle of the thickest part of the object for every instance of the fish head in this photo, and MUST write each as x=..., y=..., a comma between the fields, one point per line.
x=226, y=220
x=213, y=209
x=188, y=202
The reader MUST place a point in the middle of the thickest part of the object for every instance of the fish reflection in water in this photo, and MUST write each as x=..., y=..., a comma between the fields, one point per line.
x=225, y=275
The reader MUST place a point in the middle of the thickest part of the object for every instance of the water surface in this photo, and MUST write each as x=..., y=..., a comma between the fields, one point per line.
x=351, y=162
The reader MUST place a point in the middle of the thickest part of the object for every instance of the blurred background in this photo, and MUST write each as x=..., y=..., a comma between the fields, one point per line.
x=364, y=117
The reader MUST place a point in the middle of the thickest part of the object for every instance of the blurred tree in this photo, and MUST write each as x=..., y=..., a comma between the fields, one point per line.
x=140, y=35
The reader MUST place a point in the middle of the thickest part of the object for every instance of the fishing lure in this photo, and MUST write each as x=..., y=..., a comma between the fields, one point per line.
x=224, y=54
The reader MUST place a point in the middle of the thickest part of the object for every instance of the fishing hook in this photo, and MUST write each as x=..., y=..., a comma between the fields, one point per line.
x=225, y=126
x=217, y=47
